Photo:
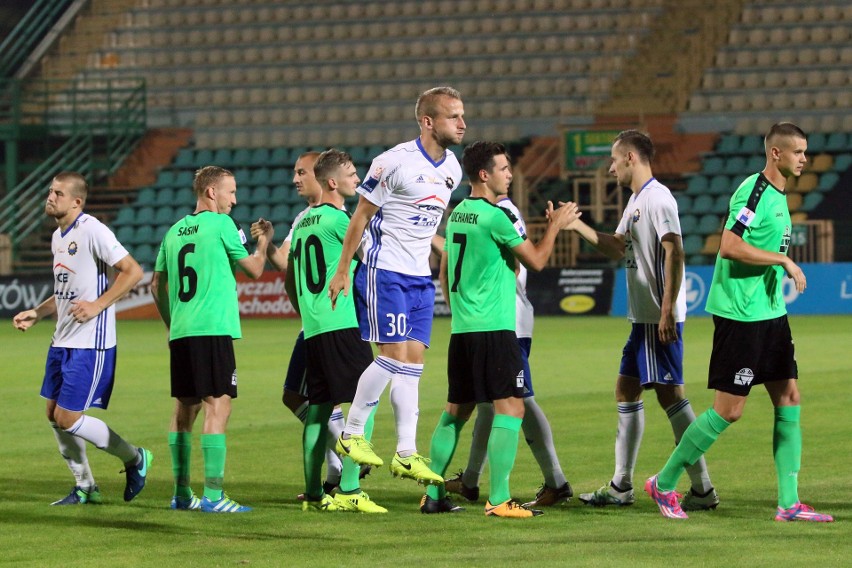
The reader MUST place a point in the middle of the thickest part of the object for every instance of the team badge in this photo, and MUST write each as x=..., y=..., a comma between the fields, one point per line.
x=72, y=248
x=636, y=216
x=450, y=183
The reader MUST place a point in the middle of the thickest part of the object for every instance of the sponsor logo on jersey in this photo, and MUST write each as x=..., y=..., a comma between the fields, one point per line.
x=372, y=181
x=744, y=377
x=745, y=216
x=72, y=248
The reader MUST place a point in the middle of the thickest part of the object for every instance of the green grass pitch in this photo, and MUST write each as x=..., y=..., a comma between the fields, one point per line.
x=574, y=362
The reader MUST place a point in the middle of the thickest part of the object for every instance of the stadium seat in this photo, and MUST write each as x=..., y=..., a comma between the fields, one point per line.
x=702, y=204
x=836, y=142
x=816, y=143
x=222, y=158
x=807, y=182
x=144, y=216
x=688, y=224
x=183, y=181
x=260, y=176
x=822, y=163
x=697, y=185
x=143, y=234
x=842, y=162
x=709, y=223
x=684, y=202
x=185, y=158
x=811, y=201
x=735, y=165
x=260, y=157
x=124, y=233
x=165, y=215
x=258, y=194
x=146, y=196
x=751, y=145
x=728, y=144
x=692, y=244
x=203, y=157
x=713, y=165
x=166, y=178
x=125, y=216
x=794, y=201
x=241, y=158
x=165, y=196
x=261, y=210
x=720, y=184
x=827, y=181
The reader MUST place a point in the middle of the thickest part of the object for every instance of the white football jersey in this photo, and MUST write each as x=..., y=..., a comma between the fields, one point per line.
x=81, y=256
x=295, y=222
x=524, y=313
x=649, y=215
x=412, y=193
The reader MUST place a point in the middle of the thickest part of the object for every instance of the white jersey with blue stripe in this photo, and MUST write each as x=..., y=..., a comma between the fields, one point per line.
x=524, y=312
x=412, y=192
x=81, y=256
x=650, y=215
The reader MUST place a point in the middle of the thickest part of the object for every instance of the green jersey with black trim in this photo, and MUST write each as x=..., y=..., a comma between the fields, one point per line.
x=481, y=266
x=199, y=254
x=314, y=252
x=744, y=292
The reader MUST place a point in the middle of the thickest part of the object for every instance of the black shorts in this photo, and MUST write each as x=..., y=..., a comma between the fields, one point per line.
x=484, y=366
x=335, y=362
x=203, y=366
x=746, y=354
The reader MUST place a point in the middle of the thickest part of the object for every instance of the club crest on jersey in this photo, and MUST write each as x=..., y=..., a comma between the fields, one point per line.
x=636, y=216
x=745, y=216
x=72, y=248
x=450, y=183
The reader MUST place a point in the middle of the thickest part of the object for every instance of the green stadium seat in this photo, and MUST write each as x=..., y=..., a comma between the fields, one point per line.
x=145, y=254
x=203, y=157
x=842, y=162
x=143, y=234
x=165, y=196
x=702, y=204
x=144, y=216
x=260, y=157
x=720, y=184
x=243, y=177
x=184, y=179
x=124, y=233
x=165, y=215
x=684, y=202
x=280, y=175
x=755, y=164
x=185, y=158
x=146, y=196
x=713, y=165
x=166, y=178
x=241, y=158
x=281, y=213
x=696, y=260
x=721, y=204
x=827, y=181
x=728, y=144
x=222, y=157
x=279, y=158
x=261, y=210
x=359, y=155
x=816, y=143
x=160, y=232
x=241, y=213
x=697, y=185
x=837, y=142
x=811, y=201
x=688, y=224
x=259, y=194
x=259, y=176
x=126, y=216
x=709, y=224
x=692, y=244
x=735, y=165
x=751, y=145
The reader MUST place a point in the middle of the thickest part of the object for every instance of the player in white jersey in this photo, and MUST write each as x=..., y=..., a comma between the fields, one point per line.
x=402, y=200
x=295, y=392
x=537, y=431
x=81, y=359
x=649, y=240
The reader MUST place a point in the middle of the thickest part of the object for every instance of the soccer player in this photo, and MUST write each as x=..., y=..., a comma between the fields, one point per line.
x=752, y=342
x=295, y=391
x=80, y=367
x=484, y=358
x=401, y=203
x=648, y=238
x=537, y=431
x=335, y=354
x=195, y=292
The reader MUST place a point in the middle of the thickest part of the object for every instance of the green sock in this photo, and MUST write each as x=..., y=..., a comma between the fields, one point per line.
x=214, y=450
x=502, y=449
x=313, y=446
x=694, y=443
x=445, y=439
x=350, y=477
x=787, y=449
x=180, y=444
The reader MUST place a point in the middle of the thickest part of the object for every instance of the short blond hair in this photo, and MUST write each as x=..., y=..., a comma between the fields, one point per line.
x=207, y=176
x=427, y=102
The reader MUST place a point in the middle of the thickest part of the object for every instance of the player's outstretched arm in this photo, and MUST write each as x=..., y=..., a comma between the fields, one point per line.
x=535, y=256
x=129, y=273
x=28, y=318
x=340, y=282
x=254, y=263
x=277, y=256
x=610, y=245
x=442, y=277
x=160, y=292
x=733, y=247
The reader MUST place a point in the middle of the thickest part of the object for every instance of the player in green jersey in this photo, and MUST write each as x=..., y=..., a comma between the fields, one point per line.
x=195, y=292
x=478, y=281
x=334, y=352
x=752, y=343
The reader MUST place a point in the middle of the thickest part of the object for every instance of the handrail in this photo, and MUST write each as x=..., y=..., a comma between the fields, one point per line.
x=28, y=33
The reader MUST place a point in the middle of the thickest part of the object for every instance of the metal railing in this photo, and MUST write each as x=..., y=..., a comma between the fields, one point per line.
x=28, y=32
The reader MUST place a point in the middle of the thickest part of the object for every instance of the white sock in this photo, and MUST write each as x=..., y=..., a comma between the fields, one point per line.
x=371, y=385
x=97, y=433
x=681, y=416
x=404, y=396
x=631, y=426
x=540, y=440
x=73, y=450
x=334, y=466
x=478, y=444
